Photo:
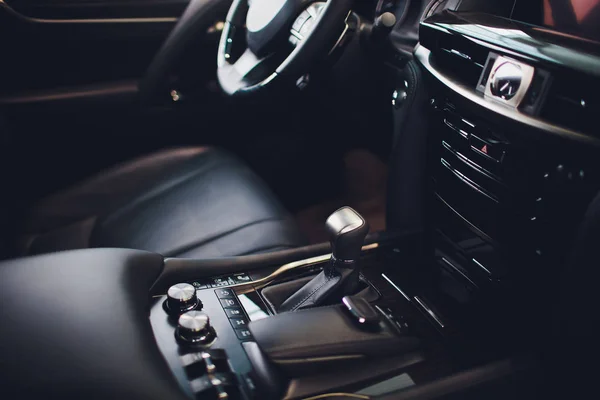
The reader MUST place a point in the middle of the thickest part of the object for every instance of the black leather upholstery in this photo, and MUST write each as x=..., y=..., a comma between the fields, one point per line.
x=325, y=286
x=187, y=202
x=325, y=335
x=75, y=326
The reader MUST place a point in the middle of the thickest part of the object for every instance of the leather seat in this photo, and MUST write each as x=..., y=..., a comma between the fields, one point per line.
x=186, y=202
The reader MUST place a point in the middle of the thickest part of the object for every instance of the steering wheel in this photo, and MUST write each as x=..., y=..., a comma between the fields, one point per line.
x=283, y=39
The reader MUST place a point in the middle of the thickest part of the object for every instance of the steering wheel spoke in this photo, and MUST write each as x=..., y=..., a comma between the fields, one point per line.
x=246, y=71
x=283, y=40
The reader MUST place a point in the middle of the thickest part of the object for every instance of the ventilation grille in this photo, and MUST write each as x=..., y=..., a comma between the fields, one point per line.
x=574, y=103
x=460, y=59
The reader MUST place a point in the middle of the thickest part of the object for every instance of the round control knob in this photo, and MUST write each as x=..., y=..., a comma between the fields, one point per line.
x=194, y=328
x=182, y=298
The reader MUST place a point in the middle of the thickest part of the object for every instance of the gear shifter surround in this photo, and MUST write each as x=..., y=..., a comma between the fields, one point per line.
x=347, y=230
x=340, y=276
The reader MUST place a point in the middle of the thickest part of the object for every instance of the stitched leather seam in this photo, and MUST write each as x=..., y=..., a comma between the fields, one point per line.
x=294, y=308
x=269, y=303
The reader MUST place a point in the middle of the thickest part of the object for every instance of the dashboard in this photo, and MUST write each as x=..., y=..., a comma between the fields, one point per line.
x=510, y=155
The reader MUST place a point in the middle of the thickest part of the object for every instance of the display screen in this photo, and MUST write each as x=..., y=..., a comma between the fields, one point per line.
x=577, y=17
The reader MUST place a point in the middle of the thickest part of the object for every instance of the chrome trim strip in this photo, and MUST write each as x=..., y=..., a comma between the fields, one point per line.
x=429, y=311
x=396, y=287
x=458, y=271
x=297, y=34
x=17, y=14
x=480, y=265
x=309, y=262
x=471, y=163
x=456, y=129
x=473, y=185
x=423, y=55
x=343, y=35
x=472, y=125
x=247, y=287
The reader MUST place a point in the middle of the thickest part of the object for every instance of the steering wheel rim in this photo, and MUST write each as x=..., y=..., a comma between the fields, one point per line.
x=251, y=73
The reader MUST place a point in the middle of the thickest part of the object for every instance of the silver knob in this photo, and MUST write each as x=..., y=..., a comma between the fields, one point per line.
x=347, y=231
x=181, y=298
x=194, y=328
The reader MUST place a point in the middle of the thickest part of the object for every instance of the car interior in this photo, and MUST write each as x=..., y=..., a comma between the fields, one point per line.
x=299, y=199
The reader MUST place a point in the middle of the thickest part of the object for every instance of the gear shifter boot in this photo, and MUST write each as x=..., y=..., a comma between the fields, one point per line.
x=316, y=292
x=340, y=277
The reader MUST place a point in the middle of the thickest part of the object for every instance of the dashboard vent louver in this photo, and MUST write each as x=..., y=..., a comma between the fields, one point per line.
x=460, y=59
x=574, y=103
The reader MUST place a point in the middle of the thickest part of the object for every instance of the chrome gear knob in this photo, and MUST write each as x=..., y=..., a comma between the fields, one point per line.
x=347, y=231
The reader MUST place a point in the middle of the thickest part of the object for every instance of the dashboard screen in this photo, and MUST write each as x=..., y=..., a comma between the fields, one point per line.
x=577, y=17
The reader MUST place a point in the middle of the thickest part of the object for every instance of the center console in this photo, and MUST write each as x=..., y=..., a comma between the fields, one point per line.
x=304, y=328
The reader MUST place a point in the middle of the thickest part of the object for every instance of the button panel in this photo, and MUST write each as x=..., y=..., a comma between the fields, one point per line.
x=219, y=368
x=240, y=322
x=243, y=334
x=225, y=293
x=228, y=303
x=222, y=281
x=234, y=312
x=492, y=150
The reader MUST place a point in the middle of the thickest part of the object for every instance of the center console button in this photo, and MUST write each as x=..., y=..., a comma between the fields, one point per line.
x=218, y=282
x=209, y=387
x=361, y=310
x=239, y=322
x=198, y=364
x=490, y=149
x=241, y=278
x=234, y=312
x=243, y=333
x=225, y=293
x=229, y=303
x=200, y=286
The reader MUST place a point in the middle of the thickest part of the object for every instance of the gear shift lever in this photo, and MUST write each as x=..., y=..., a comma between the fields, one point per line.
x=339, y=277
x=347, y=231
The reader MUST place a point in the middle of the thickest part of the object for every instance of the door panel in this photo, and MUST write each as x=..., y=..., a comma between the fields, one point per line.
x=92, y=9
x=42, y=55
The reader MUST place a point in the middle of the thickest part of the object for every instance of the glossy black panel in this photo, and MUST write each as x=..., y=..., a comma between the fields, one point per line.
x=508, y=185
x=523, y=41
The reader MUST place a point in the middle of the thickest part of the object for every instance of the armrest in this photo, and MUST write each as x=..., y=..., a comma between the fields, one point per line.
x=307, y=340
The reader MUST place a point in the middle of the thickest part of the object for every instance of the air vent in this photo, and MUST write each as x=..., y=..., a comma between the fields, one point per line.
x=574, y=103
x=460, y=59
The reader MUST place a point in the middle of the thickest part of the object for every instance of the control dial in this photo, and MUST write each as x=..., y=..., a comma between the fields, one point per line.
x=181, y=298
x=194, y=328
